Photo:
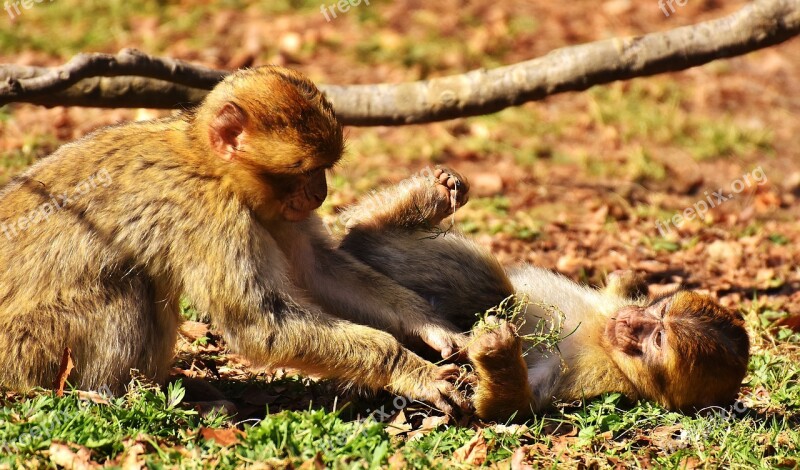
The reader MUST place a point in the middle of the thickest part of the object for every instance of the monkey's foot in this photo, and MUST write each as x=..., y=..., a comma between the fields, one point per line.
x=453, y=190
x=502, y=388
x=495, y=347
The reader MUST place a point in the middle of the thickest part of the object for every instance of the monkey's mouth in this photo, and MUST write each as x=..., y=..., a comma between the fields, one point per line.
x=299, y=209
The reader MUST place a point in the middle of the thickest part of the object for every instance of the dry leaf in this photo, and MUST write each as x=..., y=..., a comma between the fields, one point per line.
x=316, y=463
x=63, y=372
x=433, y=422
x=690, y=462
x=473, y=452
x=398, y=424
x=64, y=456
x=519, y=457
x=429, y=423
x=95, y=397
x=224, y=437
x=397, y=461
x=131, y=460
x=193, y=330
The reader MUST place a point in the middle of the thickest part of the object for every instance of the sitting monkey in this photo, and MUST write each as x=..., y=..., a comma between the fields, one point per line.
x=102, y=238
x=683, y=350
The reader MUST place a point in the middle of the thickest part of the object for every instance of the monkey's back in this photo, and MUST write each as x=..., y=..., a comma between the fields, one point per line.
x=79, y=233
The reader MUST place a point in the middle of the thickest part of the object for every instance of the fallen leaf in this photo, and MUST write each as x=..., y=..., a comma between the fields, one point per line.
x=398, y=424
x=193, y=330
x=397, y=461
x=433, y=422
x=62, y=455
x=473, y=452
x=224, y=437
x=131, y=460
x=63, y=372
x=315, y=463
x=512, y=429
x=429, y=423
x=95, y=397
x=518, y=459
x=690, y=462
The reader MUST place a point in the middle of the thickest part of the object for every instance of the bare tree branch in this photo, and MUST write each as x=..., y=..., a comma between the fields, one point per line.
x=135, y=79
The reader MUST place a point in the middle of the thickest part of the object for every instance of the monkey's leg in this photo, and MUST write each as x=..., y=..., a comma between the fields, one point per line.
x=419, y=202
x=455, y=275
x=503, y=387
x=119, y=324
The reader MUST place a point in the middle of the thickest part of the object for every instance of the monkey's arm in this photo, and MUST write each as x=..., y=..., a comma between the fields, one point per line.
x=503, y=389
x=352, y=290
x=265, y=317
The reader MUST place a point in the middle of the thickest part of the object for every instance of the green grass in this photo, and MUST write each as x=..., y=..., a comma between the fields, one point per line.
x=760, y=431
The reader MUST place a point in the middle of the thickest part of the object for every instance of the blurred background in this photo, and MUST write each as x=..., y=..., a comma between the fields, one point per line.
x=576, y=182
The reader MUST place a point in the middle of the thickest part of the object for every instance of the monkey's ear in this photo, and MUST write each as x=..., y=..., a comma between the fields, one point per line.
x=225, y=131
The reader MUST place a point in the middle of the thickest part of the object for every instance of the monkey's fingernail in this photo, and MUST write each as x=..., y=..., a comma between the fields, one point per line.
x=451, y=183
x=438, y=172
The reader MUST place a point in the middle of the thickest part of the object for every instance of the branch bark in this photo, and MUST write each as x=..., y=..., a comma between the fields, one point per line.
x=133, y=79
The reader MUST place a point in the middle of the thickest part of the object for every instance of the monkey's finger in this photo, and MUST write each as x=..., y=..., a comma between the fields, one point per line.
x=443, y=406
x=447, y=352
x=459, y=401
x=450, y=401
x=457, y=356
x=469, y=378
x=449, y=372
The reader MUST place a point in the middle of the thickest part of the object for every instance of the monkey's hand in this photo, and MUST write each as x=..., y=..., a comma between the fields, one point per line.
x=445, y=341
x=437, y=386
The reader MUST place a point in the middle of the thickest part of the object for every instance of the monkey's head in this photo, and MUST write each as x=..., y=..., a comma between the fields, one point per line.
x=684, y=351
x=275, y=134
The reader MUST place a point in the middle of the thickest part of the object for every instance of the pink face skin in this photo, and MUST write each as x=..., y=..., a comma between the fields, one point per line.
x=639, y=331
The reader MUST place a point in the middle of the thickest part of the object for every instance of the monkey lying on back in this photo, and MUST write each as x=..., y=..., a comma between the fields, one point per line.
x=682, y=350
x=104, y=236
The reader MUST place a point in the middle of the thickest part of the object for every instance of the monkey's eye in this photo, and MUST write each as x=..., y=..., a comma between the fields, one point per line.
x=296, y=164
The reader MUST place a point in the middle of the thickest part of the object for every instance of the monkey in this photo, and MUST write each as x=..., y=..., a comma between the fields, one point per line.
x=104, y=236
x=682, y=350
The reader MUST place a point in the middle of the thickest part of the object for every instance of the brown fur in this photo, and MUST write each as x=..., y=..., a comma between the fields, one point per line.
x=213, y=204
x=704, y=360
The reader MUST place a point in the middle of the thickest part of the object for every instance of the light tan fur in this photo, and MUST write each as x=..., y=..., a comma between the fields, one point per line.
x=215, y=204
